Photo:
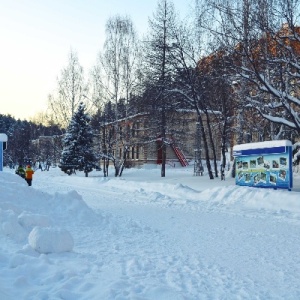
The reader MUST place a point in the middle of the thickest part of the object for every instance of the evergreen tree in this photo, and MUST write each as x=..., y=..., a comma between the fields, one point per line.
x=78, y=151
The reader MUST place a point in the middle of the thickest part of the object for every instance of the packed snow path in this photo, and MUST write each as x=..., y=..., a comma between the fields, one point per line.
x=170, y=238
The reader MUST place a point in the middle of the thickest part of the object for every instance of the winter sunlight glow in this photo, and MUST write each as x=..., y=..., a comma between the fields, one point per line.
x=36, y=38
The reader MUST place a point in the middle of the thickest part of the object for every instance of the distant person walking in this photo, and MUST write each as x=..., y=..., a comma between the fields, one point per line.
x=20, y=171
x=28, y=175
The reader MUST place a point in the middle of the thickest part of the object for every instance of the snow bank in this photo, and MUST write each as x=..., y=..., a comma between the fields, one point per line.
x=28, y=215
x=180, y=237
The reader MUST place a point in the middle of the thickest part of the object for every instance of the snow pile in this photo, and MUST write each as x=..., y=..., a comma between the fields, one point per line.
x=40, y=229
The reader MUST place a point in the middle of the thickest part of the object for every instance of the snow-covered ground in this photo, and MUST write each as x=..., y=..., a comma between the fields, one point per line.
x=146, y=237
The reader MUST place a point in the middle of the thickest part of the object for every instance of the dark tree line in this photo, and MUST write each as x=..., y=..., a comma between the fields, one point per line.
x=20, y=134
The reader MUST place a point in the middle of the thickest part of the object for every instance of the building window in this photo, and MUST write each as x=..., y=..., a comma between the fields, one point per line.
x=132, y=153
x=137, y=152
x=128, y=131
x=121, y=132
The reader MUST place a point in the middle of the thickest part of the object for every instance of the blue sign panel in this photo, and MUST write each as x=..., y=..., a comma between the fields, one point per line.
x=1, y=156
x=3, y=140
x=268, y=166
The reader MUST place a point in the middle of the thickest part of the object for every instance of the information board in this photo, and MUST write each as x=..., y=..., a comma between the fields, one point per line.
x=265, y=164
x=3, y=145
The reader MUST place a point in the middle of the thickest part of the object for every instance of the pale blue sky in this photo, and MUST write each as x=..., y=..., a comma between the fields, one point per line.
x=36, y=38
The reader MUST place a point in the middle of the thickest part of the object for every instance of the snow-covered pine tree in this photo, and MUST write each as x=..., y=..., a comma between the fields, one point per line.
x=78, y=151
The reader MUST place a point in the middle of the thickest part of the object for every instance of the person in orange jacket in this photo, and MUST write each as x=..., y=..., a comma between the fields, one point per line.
x=28, y=175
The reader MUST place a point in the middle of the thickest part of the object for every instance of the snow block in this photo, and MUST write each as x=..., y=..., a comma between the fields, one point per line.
x=29, y=220
x=50, y=240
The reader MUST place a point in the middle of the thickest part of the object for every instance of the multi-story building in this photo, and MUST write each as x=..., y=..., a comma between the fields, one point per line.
x=143, y=146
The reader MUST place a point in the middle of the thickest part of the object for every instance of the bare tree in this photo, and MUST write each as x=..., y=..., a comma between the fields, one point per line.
x=71, y=91
x=262, y=37
x=273, y=70
x=115, y=73
x=188, y=85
